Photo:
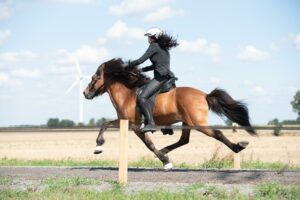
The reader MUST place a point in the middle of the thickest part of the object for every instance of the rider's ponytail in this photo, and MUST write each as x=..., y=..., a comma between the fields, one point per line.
x=166, y=41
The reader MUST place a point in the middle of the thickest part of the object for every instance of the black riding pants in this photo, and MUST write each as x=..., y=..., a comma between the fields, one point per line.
x=148, y=91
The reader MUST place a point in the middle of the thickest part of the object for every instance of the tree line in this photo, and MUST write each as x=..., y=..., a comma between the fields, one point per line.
x=296, y=108
x=65, y=123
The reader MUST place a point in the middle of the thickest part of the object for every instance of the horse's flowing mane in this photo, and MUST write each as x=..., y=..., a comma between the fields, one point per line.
x=131, y=77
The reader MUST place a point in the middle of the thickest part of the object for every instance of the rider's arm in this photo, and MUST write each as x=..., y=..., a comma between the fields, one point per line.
x=150, y=51
x=148, y=68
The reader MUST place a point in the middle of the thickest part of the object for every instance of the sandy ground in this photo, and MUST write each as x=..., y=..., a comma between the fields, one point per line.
x=80, y=146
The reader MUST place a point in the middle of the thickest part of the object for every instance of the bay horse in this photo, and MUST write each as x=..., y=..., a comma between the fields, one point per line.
x=181, y=104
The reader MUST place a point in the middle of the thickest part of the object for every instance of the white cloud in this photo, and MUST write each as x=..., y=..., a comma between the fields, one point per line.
x=5, y=11
x=201, y=46
x=101, y=40
x=292, y=89
x=72, y=1
x=258, y=91
x=247, y=83
x=121, y=30
x=163, y=13
x=135, y=6
x=296, y=40
x=4, y=35
x=26, y=73
x=6, y=80
x=85, y=54
x=17, y=56
x=250, y=53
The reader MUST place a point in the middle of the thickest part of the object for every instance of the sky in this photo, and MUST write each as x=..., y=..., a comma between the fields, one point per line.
x=251, y=49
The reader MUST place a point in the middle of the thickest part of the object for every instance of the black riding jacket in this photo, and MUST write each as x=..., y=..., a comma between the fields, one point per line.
x=159, y=58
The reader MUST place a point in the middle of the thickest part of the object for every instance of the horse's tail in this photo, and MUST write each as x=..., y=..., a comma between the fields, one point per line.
x=222, y=103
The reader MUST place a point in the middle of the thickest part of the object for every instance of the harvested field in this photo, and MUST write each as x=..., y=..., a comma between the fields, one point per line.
x=80, y=146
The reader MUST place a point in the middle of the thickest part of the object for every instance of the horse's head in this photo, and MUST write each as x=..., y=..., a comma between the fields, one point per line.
x=114, y=71
x=97, y=85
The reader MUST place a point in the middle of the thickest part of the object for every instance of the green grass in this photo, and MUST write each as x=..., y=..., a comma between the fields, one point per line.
x=5, y=180
x=217, y=163
x=56, y=183
x=75, y=188
x=277, y=191
x=64, y=162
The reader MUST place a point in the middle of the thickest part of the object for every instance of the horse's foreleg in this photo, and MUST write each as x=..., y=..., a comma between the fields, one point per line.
x=148, y=142
x=184, y=139
x=100, y=139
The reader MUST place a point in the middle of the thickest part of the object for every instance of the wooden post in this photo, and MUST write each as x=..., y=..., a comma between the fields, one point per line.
x=123, y=153
x=236, y=156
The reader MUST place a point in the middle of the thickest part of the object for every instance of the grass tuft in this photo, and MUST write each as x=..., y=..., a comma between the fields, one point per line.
x=4, y=180
x=277, y=191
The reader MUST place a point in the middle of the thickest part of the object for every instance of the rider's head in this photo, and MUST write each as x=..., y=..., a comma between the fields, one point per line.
x=164, y=40
x=153, y=34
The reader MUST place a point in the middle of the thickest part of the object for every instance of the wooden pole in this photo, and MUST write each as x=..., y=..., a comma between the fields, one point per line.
x=123, y=153
x=236, y=156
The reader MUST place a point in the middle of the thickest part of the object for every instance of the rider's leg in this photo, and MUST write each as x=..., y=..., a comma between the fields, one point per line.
x=150, y=89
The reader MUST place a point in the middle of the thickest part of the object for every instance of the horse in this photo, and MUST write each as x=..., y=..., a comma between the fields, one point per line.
x=181, y=104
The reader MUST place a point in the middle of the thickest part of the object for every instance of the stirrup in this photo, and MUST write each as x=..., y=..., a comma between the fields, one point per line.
x=148, y=128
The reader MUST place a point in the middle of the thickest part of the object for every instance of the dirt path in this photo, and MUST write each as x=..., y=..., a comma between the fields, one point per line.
x=155, y=175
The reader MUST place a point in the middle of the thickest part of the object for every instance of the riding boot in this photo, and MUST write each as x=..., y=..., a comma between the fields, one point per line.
x=147, y=113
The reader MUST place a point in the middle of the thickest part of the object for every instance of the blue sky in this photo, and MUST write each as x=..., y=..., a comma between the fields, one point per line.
x=249, y=48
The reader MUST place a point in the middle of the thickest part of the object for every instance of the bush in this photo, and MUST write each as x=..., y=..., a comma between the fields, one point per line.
x=277, y=130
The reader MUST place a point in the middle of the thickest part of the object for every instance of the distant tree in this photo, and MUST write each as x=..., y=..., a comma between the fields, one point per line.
x=228, y=122
x=291, y=122
x=274, y=122
x=53, y=122
x=66, y=123
x=296, y=103
x=92, y=122
x=80, y=124
x=101, y=121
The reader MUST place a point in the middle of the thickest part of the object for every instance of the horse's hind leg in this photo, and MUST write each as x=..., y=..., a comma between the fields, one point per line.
x=148, y=142
x=217, y=134
x=184, y=139
x=100, y=139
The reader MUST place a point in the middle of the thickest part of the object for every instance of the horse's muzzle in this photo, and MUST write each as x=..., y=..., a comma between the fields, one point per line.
x=88, y=95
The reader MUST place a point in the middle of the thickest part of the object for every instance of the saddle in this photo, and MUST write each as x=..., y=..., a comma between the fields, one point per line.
x=166, y=87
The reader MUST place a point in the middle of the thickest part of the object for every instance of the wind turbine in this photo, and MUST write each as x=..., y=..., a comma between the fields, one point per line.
x=79, y=81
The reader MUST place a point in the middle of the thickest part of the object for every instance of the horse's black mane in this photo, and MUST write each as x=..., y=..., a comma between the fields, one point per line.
x=131, y=77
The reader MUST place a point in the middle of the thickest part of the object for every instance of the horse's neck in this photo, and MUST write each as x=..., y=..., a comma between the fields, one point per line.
x=119, y=94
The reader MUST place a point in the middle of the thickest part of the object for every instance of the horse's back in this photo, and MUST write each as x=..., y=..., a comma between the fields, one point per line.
x=187, y=97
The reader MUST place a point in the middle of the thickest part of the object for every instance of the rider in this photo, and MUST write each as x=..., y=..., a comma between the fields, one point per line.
x=158, y=53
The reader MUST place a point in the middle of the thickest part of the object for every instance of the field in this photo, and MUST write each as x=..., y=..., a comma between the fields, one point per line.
x=75, y=149
x=80, y=145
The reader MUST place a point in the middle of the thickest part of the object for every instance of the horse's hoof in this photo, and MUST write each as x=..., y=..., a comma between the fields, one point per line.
x=240, y=146
x=168, y=167
x=243, y=144
x=98, y=149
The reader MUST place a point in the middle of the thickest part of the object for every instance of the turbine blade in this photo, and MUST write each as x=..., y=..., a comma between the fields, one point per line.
x=72, y=86
x=78, y=67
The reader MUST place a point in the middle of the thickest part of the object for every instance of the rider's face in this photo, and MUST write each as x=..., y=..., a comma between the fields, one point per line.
x=150, y=39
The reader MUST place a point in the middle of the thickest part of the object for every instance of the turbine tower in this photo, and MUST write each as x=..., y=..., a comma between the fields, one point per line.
x=79, y=81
